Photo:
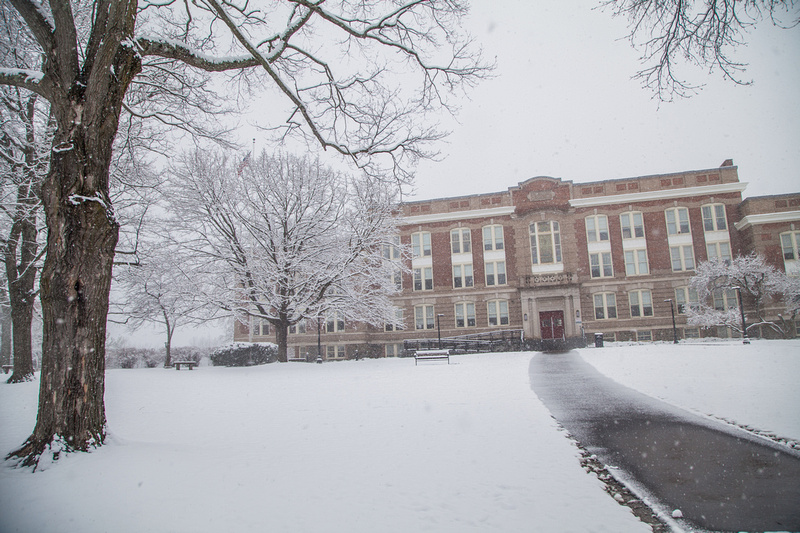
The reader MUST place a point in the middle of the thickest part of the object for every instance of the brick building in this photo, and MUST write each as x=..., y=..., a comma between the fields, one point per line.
x=551, y=259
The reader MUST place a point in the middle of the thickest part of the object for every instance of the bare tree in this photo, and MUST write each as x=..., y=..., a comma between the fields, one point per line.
x=704, y=33
x=759, y=283
x=158, y=290
x=23, y=163
x=332, y=62
x=284, y=239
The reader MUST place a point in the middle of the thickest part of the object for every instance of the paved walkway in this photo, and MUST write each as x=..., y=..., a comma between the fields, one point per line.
x=721, y=479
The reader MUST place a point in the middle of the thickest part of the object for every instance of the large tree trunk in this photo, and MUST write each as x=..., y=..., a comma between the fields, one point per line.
x=82, y=235
x=282, y=339
x=5, y=330
x=20, y=255
x=168, y=344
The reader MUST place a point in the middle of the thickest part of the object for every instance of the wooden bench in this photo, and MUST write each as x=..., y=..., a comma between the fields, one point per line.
x=7, y=368
x=431, y=355
x=179, y=364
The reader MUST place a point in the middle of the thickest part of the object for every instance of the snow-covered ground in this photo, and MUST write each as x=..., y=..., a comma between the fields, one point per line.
x=375, y=445
x=756, y=385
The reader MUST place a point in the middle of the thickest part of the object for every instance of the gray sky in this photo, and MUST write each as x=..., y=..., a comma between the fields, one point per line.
x=564, y=104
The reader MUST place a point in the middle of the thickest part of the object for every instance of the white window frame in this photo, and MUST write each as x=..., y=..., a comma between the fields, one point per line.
x=636, y=263
x=633, y=223
x=683, y=254
x=497, y=310
x=421, y=244
x=397, y=325
x=465, y=313
x=463, y=276
x=636, y=299
x=335, y=351
x=334, y=322
x=714, y=217
x=790, y=250
x=605, y=301
x=423, y=278
x=553, y=233
x=392, y=251
x=494, y=276
x=597, y=228
x=724, y=299
x=260, y=325
x=719, y=251
x=493, y=238
x=685, y=297
x=677, y=225
x=424, y=314
x=298, y=329
x=460, y=241
x=604, y=264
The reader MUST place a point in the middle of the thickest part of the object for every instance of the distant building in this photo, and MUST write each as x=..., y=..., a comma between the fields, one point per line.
x=556, y=260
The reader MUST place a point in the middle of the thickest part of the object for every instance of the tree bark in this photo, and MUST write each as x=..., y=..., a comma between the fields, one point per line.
x=5, y=330
x=168, y=344
x=76, y=278
x=282, y=340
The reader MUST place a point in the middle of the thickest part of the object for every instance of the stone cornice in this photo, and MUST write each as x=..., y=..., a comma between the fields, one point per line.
x=767, y=218
x=663, y=194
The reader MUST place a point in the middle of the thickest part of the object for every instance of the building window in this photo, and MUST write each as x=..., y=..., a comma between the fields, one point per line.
x=719, y=251
x=423, y=317
x=601, y=265
x=682, y=258
x=597, y=228
x=493, y=238
x=495, y=273
x=725, y=299
x=300, y=327
x=334, y=322
x=423, y=279
x=421, y=244
x=397, y=279
x=335, y=351
x=545, y=243
x=460, y=241
x=685, y=298
x=260, y=326
x=632, y=225
x=714, y=217
x=465, y=315
x=790, y=246
x=394, y=350
x=392, y=251
x=498, y=312
x=641, y=303
x=644, y=336
x=636, y=263
x=462, y=276
x=677, y=221
x=397, y=325
x=605, y=305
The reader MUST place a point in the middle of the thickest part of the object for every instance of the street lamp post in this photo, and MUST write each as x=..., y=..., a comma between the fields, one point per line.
x=439, y=329
x=745, y=339
x=319, y=341
x=674, y=329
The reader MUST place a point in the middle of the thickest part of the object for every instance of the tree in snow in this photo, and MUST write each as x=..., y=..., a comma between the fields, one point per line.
x=283, y=239
x=703, y=33
x=334, y=63
x=158, y=290
x=23, y=162
x=716, y=283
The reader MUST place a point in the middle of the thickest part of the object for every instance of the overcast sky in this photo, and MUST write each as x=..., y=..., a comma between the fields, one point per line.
x=564, y=104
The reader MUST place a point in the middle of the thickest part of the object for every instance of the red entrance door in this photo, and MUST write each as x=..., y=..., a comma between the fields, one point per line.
x=551, y=324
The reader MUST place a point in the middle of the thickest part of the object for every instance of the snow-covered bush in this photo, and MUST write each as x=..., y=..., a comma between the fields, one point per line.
x=245, y=354
x=131, y=357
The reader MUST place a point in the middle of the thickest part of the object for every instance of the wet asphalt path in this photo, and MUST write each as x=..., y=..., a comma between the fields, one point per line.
x=721, y=479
